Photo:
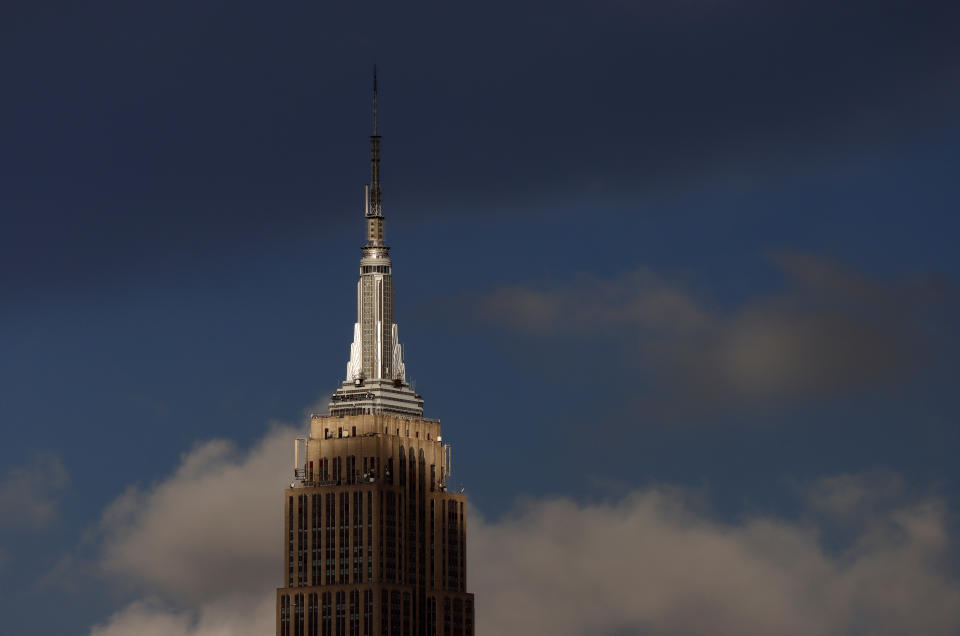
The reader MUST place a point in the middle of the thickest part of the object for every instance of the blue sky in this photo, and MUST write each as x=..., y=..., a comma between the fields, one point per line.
x=709, y=245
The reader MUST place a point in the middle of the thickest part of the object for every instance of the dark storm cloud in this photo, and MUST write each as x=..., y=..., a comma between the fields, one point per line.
x=165, y=137
x=831, y=330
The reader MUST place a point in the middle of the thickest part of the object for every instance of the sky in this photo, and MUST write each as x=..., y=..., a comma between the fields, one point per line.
x=679, y=279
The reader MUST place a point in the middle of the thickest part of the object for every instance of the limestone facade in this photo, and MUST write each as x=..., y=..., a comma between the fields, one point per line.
x=373, y=541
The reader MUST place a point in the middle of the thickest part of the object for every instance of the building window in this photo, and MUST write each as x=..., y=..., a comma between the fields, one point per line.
x=433, y=543
x=395, y=613
x=289, y=541
x=285, y=615
x=369, y=535
x=313, y=624
x=344, y=545
x=458, y=617
x=341, y=614
x=390, y=538
x=368, y=613
x=315, y=539
x=447, y=618
x=326, y=612
x=357, y=552
x=301, y=540
x=468, y=617
x=354, y=613
x=298, y=615
x=331, y=555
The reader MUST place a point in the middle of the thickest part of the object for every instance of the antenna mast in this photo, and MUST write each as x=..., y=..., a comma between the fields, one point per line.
x=374, y=203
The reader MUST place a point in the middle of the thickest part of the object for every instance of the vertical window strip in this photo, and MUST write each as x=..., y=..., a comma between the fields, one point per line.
x=290, y=541
x=369, y=535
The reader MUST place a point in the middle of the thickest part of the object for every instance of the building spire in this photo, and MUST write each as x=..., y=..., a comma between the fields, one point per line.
x=376, y=379
x=374, y=208
x=374, y=99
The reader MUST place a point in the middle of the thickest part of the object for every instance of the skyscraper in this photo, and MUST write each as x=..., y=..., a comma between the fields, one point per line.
x=373, y=542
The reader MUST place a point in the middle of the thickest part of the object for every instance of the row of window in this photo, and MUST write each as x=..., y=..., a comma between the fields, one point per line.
x=328, y=434
x=350, y=613
x=346, y=471
x=331, y=541
x=399, y=618
x=331, y=471
x=327, y=614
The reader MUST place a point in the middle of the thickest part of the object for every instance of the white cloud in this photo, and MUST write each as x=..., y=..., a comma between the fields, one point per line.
x=652, y=564
x=211, y=528
x=29, y=494
x=203, y=545
x=230, y=616
x=204, y=548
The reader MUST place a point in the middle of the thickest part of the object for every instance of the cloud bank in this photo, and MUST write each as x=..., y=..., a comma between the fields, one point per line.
x=652, y=563
x=203, y=550
x=208, y=529
x=203, y=546
x=831, y=329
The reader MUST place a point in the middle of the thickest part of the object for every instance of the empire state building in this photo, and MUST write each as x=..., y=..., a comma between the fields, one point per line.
x=373, y=542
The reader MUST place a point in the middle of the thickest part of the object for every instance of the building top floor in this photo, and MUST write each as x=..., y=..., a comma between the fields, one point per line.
x=324, y=427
